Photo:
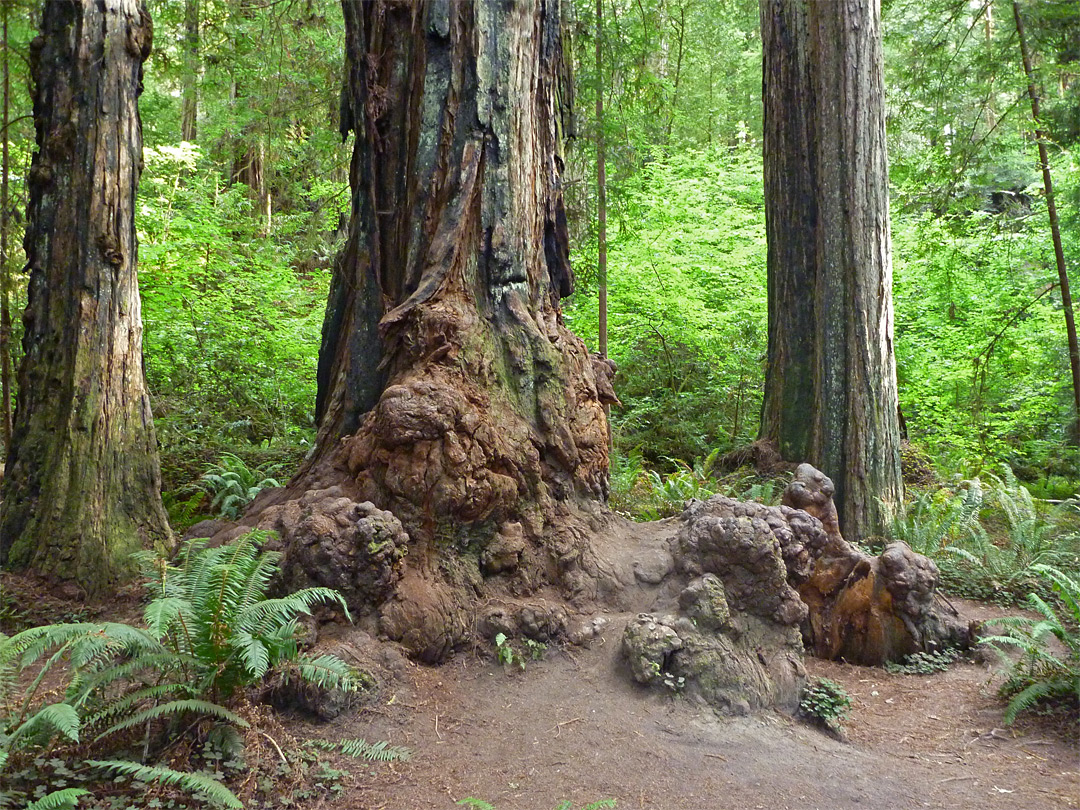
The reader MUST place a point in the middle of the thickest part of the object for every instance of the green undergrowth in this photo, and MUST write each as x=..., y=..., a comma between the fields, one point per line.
x=647, y=493
x=988, y=536
x=159, y=715
x=1046, y=675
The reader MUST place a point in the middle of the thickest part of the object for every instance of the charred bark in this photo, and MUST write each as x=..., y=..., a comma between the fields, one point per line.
x=82, y=484
x=449, y=391
x=830, y=392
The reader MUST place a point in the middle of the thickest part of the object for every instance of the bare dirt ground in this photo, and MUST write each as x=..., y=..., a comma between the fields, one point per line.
x=574, y=727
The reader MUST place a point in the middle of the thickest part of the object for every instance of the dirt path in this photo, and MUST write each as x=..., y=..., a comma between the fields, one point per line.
x=574, y=727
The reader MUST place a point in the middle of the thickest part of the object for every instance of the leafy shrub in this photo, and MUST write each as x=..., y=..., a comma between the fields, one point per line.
x=1041, y=673
x=826, y=702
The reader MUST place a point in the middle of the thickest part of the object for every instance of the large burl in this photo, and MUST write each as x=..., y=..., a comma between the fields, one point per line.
x=864, y=609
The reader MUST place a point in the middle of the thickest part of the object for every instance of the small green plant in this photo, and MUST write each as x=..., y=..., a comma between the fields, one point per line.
x=536, y=649
x=232, y=485
x=924, y=663
x=505, y=654
x=1042, y=674
x=826, y=702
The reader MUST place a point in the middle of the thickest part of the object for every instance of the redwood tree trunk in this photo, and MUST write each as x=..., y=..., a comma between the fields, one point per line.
x=82, y=485
x=830, y=392
x=450, y=393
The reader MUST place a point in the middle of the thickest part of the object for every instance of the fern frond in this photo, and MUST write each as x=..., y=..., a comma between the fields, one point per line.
x=117, y=708
x=56, y=718
x=361, y=749
x=253, y=652
x=175, y=707
x=328, y=672
x=190, y=782
x=66, y=799
x=262, y=616
x=1026, y=698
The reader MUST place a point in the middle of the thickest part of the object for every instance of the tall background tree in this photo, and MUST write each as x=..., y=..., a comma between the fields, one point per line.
x=82, y=488
x=830, y=385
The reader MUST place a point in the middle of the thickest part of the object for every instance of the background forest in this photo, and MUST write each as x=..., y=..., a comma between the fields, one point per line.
x=243, y=203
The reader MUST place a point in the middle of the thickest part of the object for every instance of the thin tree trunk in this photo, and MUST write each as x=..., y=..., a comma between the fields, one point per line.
x=82, y=484
x=1051, y=211
x=601, y=186
x=678, y=72
x=830, y=395
x=5, y=267
x=189, y=115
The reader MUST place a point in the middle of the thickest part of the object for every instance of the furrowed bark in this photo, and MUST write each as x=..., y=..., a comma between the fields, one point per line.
x=830, y=395
x=82, y=485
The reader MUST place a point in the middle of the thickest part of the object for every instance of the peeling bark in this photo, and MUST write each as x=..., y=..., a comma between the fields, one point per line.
x=82, y=484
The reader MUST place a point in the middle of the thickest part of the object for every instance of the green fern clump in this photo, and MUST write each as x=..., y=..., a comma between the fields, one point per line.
x=232, y=485
x=212, y=613
x=1004, y=567
x=934, y=521
x=1042, y=674
x=210, y=632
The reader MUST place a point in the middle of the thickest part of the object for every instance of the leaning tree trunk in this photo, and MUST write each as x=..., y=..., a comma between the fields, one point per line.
x=830, y=392
x=82, y=486
x=450, y=393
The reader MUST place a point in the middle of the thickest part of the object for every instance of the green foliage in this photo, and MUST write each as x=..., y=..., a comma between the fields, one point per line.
x=987, y=541
x=193, y=783
x=505, y=654
x=66, y=799
x=924, y=663
x=827, y=702
x=361, y=749
x=211, y=631
x=232, y=485
x=687, y=320
x=1042, y=673
x=212, y=612
x=231, y=329
x=934, y=520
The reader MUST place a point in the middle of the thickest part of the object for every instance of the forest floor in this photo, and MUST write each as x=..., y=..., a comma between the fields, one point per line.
x=574, y=726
